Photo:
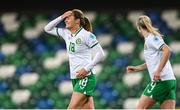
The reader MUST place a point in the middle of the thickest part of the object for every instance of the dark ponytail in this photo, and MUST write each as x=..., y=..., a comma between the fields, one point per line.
x=84, y=21
x=87, y=24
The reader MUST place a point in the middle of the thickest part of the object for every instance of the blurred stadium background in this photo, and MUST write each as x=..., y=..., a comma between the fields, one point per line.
x=34, y=69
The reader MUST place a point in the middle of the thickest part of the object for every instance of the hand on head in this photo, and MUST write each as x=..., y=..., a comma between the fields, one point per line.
x=66, y=14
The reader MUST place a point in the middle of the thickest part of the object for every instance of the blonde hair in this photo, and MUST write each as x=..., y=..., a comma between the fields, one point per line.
x=145, y=23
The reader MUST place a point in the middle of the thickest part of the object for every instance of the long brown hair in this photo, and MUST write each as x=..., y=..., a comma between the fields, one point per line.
x=145, y=23
x=84, y=21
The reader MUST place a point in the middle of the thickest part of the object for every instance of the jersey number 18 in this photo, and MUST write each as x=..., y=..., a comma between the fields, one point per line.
x=72, y=47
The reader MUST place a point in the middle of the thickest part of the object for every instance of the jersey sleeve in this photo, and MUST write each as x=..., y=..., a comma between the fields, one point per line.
x=61, y=32
x=51, y=28
x=99, y=56
x=91, y=40
x=156, y=42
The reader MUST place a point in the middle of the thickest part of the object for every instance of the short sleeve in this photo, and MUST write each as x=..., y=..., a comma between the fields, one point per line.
x=156, y=42
x=91, y=40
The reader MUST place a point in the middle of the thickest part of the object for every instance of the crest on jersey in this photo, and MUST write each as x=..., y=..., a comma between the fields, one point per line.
x=78, y=41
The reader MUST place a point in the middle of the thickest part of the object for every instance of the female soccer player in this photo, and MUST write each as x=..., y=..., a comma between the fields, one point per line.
x=162, y=88
x=80, y=41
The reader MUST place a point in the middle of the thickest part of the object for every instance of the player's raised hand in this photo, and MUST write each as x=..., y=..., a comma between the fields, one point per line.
x=66, y=14
x=82, y=73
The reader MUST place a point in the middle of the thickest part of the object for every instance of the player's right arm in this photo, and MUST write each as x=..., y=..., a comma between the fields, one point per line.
x=51, y=26
x=141, y=67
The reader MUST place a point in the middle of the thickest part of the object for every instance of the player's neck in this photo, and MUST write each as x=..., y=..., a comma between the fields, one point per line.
x=74, y=29
x=145, y=34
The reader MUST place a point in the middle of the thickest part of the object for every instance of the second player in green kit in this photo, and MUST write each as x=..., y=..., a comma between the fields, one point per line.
x=162, y=88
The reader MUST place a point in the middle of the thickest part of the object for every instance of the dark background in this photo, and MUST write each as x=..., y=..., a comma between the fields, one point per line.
x=100, y=5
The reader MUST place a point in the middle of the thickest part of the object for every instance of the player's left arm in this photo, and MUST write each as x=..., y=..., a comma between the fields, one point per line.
x=99, y=56
x=166, y=54
x=96, y=49
x=98, y=52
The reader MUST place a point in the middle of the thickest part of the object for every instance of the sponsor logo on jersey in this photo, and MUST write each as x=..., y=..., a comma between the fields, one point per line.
x=92, y=36
x=156, y=39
